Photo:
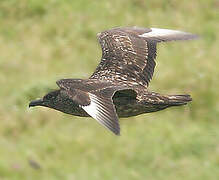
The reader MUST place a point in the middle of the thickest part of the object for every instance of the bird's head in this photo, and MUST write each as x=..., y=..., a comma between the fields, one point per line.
x=60, y=101
x=49, y=100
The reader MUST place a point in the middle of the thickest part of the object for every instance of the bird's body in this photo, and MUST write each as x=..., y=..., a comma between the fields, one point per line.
x=118, y=87
x=129, y=102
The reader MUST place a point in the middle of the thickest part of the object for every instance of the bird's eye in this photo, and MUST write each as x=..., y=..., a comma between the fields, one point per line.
x=48, y=96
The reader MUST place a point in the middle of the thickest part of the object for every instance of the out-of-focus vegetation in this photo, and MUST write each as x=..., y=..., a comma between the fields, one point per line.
x=45, y=40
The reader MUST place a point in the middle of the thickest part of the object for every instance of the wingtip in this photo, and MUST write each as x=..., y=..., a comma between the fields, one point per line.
x=117, y=133
x=196, y=36
x=116, y=129
x=191, y=36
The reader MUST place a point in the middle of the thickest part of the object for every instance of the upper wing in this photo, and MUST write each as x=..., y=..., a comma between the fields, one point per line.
x=128, y=53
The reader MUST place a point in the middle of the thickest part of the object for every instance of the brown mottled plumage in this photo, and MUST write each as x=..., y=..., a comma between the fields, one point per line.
x=119, y=85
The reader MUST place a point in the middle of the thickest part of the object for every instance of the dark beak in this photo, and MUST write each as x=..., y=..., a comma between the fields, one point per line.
x=38, y=102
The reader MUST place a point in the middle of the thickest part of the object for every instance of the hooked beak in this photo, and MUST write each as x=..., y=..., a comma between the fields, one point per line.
x=38, y=102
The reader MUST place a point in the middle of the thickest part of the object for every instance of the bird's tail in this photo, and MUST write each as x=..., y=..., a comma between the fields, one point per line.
x=178, y=100
x=156, y=102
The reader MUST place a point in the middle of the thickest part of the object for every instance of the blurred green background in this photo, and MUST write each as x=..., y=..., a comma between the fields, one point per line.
x=45, y=40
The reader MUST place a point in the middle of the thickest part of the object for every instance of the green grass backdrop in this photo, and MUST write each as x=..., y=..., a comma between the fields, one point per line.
x=45, y=40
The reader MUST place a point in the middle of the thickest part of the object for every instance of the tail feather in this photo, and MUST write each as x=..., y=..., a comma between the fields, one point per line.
x=177, y=100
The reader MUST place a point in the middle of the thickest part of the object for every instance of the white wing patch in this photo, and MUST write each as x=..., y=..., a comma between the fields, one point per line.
x=92, y=108
x=159, y=35
x=160, y=32
x=102, y=109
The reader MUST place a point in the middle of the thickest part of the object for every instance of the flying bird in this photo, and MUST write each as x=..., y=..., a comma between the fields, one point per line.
x=119, y=85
